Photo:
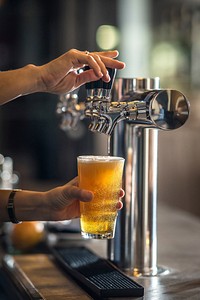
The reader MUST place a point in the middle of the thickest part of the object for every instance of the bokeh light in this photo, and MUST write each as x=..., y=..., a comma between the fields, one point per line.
x=168, y=59
x=107, y=37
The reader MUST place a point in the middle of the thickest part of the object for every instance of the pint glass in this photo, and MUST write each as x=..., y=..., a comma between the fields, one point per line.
x=103, y=176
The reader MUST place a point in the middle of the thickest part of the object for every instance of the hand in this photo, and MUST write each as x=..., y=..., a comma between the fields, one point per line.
x=64, y=201
x=60, y=75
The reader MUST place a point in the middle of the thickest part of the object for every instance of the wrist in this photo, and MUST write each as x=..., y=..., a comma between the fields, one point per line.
x=31, y=206
x=31, y=79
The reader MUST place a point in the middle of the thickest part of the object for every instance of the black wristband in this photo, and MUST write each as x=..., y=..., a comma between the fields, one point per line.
x=11, y=207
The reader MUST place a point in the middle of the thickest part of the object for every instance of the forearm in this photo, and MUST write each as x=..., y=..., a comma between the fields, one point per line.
x=19, y=82
x=29, y=206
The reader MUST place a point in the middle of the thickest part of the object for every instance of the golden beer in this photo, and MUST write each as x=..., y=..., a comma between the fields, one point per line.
x=103, y=176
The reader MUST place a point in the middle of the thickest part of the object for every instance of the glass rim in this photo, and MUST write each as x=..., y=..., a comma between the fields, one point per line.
x=99, y=158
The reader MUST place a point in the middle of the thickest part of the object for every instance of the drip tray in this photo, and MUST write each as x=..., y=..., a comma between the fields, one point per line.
x=97, y=276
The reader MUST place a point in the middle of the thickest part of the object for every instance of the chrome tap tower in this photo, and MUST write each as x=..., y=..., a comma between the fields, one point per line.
x=131, y=114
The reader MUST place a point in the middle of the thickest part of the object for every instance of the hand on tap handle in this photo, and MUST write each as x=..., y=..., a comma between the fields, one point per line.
x=58, y=76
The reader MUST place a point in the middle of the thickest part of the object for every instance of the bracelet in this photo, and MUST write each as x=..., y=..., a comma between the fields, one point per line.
x=11, y=207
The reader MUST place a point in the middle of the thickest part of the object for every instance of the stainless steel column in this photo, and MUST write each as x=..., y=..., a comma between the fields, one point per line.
x=145, y=191
x=134, y=248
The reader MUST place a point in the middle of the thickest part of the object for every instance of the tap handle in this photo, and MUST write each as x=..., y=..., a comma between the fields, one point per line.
x=93, y=84
x=108, y=85
x=100, y=83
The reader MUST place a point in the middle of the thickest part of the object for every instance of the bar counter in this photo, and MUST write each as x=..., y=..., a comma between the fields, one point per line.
x=178, y=255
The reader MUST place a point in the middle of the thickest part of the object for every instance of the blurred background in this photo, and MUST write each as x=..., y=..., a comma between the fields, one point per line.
x=155, y=38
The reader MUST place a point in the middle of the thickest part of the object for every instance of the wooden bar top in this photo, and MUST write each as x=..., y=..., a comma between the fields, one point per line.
x=178, y=252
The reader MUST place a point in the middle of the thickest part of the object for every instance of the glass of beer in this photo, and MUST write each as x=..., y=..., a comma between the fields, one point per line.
x=103, y=176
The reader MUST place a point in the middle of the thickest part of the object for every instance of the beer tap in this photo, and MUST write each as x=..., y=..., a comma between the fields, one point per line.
x=145, y=108
x=70, y=110
x=97, y=102
x=132, y=111
x=162, y=109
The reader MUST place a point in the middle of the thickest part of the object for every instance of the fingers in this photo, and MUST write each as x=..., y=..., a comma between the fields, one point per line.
x=94, y=62
x=121, y=193
x=111, y=53
x=104, y=71
x=119, y=205
x=103, y=61
x=112, y=63
x=97, y=61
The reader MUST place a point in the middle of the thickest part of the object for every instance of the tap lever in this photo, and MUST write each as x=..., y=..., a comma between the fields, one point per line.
x=100, y=83
x=93, y=84
x=112, y=74
x=107, y=86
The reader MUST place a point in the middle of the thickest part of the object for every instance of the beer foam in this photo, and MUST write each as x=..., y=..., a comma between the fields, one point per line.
x=99, y=158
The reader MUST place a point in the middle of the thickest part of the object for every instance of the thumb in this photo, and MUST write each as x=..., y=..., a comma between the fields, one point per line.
x=75, y=193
